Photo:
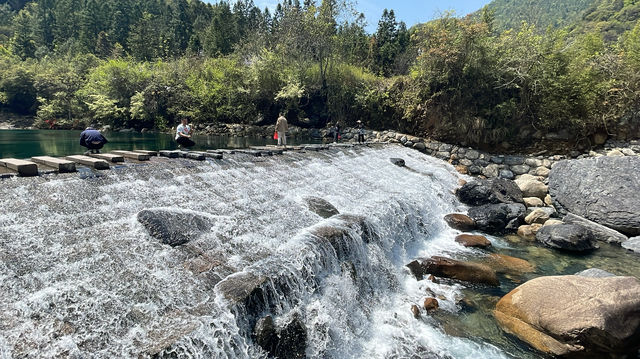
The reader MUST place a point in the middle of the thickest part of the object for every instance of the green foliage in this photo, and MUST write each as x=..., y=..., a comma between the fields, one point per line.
x=510, y=14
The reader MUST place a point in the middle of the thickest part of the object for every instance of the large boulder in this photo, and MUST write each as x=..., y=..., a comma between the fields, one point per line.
x=601, y=232
x=569, y=237
x=531, y=186
x=605, y=190
x=575, y=316
x=497, y=190
x=173, y=227
x=321, y=207
x=453, y=269
x=498, y=218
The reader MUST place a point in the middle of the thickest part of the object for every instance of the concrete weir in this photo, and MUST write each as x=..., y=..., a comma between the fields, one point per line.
x=43, y=165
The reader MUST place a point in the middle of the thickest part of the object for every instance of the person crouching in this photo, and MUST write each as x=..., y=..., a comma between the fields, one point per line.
x=93, y=140
x=183, y=135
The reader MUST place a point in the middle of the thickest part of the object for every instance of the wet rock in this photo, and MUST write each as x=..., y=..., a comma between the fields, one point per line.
x=595, y=273
x=632, y=244
x=575, y=316
x=520, y=169
x=397, y=161
x=491, y=171
x=533, y=202
x=460, y=222
x=415, y=311
x=266, y=335
x=338, y=235
x=454, y=269
x=498, y=218
x=569, y=237
x=431, y=304
x=321, y=207
x=531, y=186
x=600, y=232
x=172, y=227
x=472, y=155
x=537, y=216
x=470, y=240
x=292, y=340
x=497, y=190
x=462, y=169
x=244, y=288
x=605, y=190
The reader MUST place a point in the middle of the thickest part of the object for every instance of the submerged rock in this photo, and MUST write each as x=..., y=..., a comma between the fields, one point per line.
x=460, y=222
x=600, y=232
x=470, y=240
x=172, y=227
x=497, y=190
x=502, y=263
x=498, y=218
x=575, y=316
x=605, y=190
x=321, y=207
x=454, y=269
x=569, y=237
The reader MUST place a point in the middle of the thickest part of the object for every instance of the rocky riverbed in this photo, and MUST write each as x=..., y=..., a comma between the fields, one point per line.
x=573, y=205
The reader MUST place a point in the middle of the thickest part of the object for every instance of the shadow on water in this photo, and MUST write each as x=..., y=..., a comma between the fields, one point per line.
x=29, y=143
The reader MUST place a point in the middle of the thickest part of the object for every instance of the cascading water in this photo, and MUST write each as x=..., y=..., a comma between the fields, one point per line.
x=81, y=277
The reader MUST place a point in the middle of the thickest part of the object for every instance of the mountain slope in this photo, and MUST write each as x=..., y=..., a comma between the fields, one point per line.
x=542, y=13
x=610, y=17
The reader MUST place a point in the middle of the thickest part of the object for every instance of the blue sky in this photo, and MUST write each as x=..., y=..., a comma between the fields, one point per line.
x=409, y=11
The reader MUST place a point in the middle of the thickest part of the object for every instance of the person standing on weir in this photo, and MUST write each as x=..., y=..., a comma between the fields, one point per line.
x=361, y=132
x=183, y=135
x=336, y=133
x=281, y=128
x=92, y=139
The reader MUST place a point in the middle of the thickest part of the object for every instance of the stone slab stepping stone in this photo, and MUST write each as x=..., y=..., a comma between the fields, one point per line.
x=133, y=155
x=96, y=163
x=170, y=154
x=250, y=152
x=24, y=168
x=192, y=155
x=215, y=156
x=109, y=157
x=222, y=151
x=62, y=165
x=146, y=152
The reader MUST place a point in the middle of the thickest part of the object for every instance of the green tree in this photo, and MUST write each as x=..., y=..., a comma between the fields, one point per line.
x=23, y=44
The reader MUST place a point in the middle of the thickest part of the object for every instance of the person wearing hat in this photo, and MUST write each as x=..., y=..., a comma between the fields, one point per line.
x=92, y=139
x=361, y=132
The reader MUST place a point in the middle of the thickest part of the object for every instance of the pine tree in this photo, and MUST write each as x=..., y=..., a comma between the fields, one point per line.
x=22, y=44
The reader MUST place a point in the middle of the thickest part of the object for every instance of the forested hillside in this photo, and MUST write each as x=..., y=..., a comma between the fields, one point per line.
x=609, y=17
x=541, y=13
x=147, y=63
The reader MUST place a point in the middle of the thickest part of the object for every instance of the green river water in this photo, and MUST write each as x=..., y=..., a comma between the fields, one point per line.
x=29, y=143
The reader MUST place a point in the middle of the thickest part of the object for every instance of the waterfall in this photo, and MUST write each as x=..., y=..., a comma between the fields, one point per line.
x=81, y=277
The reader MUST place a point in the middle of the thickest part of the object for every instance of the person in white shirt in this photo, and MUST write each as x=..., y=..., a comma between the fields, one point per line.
x=183, y=135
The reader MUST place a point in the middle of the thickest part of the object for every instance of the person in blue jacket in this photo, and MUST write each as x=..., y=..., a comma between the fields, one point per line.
x=93, y=140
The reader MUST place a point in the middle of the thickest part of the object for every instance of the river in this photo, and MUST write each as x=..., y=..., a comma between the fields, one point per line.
x=29, y=143
x=81, y=277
